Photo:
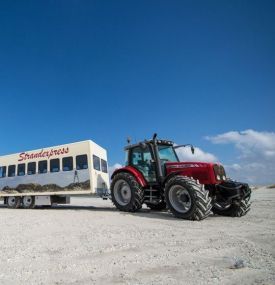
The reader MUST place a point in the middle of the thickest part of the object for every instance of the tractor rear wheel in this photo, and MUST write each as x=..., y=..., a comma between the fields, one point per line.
x=233, y=209
x=127, y=194
x=157, y=207
x=187, y=199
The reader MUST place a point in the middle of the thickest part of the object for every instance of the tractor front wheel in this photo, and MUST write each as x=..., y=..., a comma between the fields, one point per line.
x=127, y=194
x=236, y=208
x=187, y=199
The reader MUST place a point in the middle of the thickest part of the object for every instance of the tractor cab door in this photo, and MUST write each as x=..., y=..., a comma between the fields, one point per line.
x=141, y=158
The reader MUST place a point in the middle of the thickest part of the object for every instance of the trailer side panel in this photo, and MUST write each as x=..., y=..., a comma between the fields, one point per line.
x=64, y=169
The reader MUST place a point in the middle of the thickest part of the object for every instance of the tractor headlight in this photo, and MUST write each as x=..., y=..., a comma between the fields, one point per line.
x=219, y=172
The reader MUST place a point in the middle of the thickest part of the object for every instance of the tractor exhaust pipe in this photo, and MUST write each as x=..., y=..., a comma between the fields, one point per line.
x=157, y=159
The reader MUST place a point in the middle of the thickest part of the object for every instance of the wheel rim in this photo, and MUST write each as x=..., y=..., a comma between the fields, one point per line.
x=180, y=199
x=122, y=192
x=11, y=201
x=27, y=201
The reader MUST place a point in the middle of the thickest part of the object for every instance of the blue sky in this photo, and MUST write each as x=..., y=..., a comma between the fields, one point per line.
x=105, y=70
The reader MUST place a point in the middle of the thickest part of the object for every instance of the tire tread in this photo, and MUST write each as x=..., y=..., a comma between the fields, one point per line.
x=202, y=204
x=137, y=191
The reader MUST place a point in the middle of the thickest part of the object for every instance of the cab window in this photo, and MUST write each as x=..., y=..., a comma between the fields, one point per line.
x=141, y=159
x=167, y=153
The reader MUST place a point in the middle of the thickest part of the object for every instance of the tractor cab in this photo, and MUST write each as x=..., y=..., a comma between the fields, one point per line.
x=150, y=158
x=156, y=160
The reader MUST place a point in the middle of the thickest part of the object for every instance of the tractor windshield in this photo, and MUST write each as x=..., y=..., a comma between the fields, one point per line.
x=167, y=153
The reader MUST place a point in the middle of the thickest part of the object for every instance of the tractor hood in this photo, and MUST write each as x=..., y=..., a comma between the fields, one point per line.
x=206, y=173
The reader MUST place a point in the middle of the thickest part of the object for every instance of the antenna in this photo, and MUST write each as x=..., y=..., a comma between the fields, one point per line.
x=128, y=140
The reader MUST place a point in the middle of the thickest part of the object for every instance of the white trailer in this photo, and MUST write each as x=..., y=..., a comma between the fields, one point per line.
x=51, y=175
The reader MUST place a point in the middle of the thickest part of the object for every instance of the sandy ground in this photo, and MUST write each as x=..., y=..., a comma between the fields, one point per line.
x=90, y=242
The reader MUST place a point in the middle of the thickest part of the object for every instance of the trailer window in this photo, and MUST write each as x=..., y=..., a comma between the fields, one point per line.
x=54, y=165
x=21, y=169
x=104, y=166
x=81, y=162
x=31, y=168
x=3, y=171
x=11, y=170
x=43, y=166
x=96, y=162
x=67, y=163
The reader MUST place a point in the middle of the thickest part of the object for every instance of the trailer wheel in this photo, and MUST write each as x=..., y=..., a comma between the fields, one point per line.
x=187, y=199
x=13, y=202
x=127, y=194
x=28, y=202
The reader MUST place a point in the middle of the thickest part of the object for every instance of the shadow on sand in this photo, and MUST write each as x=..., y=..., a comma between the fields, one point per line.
x=144, y=213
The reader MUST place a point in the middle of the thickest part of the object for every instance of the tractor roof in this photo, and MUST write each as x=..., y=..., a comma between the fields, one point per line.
x=160, y=142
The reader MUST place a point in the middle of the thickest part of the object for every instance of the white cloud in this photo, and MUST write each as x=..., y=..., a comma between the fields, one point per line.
x=249, y=142
x=256, y=161
x=234, y=166
x=113, y=168
x=185, y=154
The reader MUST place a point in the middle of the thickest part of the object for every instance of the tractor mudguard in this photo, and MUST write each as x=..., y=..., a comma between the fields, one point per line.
x=170, y=175
x=138, y=176
x=233, y=190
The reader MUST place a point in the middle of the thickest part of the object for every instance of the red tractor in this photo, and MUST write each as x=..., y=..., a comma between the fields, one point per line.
x=190, y=190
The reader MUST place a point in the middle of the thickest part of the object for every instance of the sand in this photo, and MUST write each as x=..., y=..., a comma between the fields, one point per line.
x=90, y=242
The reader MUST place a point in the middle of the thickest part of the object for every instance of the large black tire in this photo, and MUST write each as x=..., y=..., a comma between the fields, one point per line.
x=157, y=207
x=235, y=209
x=187, y=199
x=127, y=194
